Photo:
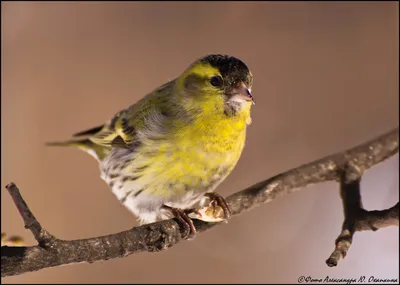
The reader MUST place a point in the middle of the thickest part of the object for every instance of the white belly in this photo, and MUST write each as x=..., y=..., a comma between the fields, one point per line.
x=135, y=194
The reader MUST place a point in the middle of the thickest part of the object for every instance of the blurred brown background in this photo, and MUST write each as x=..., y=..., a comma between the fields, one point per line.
x=326, y=79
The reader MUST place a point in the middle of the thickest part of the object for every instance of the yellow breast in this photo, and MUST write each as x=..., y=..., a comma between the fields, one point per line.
x=205, y=152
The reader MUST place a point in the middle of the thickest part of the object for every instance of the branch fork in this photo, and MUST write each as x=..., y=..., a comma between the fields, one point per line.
x=356, y=218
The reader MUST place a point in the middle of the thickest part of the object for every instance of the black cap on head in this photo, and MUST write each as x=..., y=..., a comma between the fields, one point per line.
x=232, y=69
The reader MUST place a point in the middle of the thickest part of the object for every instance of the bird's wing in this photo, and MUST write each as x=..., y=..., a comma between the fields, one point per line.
x=145, y=116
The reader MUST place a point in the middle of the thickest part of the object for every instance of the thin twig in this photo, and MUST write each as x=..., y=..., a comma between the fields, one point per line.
x=40, y=234
x=164, y=234
x=356, y=218
x=352, y=205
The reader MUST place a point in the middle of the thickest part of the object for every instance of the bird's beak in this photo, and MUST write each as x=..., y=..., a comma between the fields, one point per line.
x=242, y=93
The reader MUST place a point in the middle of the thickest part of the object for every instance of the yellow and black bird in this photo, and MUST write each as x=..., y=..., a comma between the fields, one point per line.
x=172, y=148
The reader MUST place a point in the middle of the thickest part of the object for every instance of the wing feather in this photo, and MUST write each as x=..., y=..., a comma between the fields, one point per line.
x=123, y=129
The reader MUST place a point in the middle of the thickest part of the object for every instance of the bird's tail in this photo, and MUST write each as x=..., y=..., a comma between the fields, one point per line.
x=99, y=152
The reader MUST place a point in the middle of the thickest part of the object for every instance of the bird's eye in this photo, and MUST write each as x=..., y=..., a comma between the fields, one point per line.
x=216, y=81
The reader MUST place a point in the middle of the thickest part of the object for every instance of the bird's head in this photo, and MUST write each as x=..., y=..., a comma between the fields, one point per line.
x=218, y=83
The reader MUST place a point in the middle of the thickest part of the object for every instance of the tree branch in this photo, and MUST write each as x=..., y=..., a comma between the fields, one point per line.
x=346, y=167
x=356, y=218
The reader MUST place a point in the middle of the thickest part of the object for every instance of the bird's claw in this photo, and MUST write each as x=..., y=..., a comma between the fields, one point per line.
x=217, y=200
x=185, y=220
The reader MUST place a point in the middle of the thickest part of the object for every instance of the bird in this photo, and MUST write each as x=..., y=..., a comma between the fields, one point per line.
x=171, y=149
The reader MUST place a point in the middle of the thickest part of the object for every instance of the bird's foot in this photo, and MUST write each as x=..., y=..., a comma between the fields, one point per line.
x=184, y=219
x=216, y=201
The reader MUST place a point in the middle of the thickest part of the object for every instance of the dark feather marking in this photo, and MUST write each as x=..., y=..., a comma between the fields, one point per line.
x=119, y=143
x=124, y=165
x=123, y=199
x=114, y=120
x=112, y=176
x=130, y=178
x=134, y=145
x=111, y=184
x=156, y=138
x=166, y=113
x=127, y=128
x=91, y=131
x=231, y=108
x=141, y=168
